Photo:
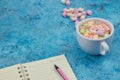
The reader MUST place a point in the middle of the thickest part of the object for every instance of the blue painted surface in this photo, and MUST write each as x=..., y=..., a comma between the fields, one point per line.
x=31, y=30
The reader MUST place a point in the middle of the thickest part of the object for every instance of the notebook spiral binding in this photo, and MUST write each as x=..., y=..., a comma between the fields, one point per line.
x=22, y=70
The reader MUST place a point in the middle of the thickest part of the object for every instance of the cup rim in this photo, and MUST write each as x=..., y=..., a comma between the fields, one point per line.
x=100, y=19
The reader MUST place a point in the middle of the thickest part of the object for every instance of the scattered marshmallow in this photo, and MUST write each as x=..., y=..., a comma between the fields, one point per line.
x=67, y=2
x=89, y=12
x=63, y=1
x=76, y=14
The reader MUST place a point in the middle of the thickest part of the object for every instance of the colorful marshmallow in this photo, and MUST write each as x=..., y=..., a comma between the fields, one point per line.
x=63, y=1
x=89, y=12
x=75, y=14
x=67, y=2
x=95, y=30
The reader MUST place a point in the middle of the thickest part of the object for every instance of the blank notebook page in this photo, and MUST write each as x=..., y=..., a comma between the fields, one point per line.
x=45, y=70
x=10, y=73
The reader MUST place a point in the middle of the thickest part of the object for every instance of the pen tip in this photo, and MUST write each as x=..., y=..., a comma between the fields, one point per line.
x=56, y=66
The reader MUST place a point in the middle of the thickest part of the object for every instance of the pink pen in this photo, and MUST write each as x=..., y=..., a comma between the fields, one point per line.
x=61, y=73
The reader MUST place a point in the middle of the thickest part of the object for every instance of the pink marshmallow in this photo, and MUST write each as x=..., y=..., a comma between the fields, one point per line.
x=65, y=10
x=105, y=27
x=64, y=14
x=74, y=18
x=76, y=15
x=89, y=12
x=67, y=2
x=91, y=36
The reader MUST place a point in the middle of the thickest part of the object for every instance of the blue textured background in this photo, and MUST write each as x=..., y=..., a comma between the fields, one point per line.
x=31, y=30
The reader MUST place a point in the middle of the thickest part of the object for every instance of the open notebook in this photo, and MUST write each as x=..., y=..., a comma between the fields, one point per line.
x=38, y=70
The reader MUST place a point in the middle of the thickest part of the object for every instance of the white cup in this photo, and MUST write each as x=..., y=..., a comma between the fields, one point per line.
x=95, y=46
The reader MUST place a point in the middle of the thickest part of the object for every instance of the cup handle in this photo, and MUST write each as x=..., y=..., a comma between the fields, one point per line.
x=104, y=48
